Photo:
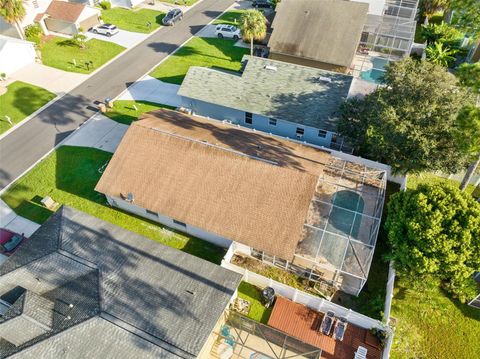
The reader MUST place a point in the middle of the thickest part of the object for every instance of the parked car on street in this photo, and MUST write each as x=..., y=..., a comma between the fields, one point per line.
x=10, y=241
x=227, y=31
x=105, y=29
x=262, y=3
x=172, y=17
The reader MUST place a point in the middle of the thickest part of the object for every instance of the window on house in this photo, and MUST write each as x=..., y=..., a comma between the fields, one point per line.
x=248, y=118
x=322, y=133
x=152, y=213
x=300, y=131
x=179, y=223
x=334, y=138
x=272, y=122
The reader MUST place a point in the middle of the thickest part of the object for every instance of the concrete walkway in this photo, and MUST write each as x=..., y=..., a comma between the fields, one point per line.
x=99, y=132
x=153, y=90
x=124, y=38
x=51, y=79
x=10, y=220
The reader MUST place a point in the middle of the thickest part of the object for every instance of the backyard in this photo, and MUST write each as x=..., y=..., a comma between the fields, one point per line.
x=431, y=324
x=135, y=20
x=20, y=101
x=430, y=178
x=207, y=52
x=231, y=17
x=257, y=312
x=123, y=111
x=69, y=176
x=62, y=54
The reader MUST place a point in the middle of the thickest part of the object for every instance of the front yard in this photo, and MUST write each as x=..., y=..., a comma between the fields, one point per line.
x=431, y=324
x=60, y=53
x=20, y=101
x=69, y=176
x=231, y=17
x=207, y=52
x=135, y=20
x=124, y=111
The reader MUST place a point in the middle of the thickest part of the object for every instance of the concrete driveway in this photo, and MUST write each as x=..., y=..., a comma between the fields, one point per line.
x=153, y=90
x=10, y=220
x=124, y=38
x=51, y=79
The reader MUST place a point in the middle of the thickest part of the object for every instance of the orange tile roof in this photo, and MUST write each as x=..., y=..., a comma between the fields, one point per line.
x=63, y=10
x=301, y=322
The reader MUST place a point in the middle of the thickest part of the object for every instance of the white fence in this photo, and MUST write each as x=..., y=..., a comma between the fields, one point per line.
x=295, y=295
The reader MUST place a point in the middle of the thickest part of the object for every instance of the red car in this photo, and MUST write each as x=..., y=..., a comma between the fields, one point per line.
x=10, y=241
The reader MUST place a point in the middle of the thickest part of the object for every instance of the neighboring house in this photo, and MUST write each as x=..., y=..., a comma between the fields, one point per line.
x=84, y=288
x=317, y=33
x=15, y=54
x=32, y=9
x=276, y=97
x=359, y=37
x=68, y=18
x=295, y=206
x=126, y=3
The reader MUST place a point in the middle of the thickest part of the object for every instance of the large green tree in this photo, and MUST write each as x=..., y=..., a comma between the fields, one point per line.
x=13, y=12
x=428, y=8
x=253, y=26
x=434, y=232
x=409, y=123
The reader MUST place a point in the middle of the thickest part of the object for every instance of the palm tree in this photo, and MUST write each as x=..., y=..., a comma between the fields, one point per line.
x=440, y=55
x=253, y=26
x=13, y=12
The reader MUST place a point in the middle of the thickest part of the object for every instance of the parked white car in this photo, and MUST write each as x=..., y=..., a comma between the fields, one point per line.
x=227, y=31
x=105, y=29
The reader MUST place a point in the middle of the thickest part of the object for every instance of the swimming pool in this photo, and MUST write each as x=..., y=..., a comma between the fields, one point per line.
x=375, y=74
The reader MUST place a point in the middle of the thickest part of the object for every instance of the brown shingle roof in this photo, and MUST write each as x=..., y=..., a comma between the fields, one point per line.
x=216, y=186
x=301, y=322
x=65, y=11
x=322, y=30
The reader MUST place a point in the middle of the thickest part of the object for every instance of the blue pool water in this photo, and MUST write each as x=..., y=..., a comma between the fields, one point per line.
x=376, y=73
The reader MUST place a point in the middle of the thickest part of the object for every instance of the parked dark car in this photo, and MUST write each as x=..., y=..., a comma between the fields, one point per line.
x=172, y=17
x=10, y=241
x=262, y=3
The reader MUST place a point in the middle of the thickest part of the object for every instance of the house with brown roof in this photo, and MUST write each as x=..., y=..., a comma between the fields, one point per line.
x=68, y=18
x=285, y=202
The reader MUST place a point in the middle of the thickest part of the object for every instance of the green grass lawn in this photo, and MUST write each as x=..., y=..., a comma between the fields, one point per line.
x=218, y=53
x=69, y=176
x=231, y=17
x=20, y=101
x=254, y=295
x=181, y=2
x=124, y=112
x=58, y=52
x=430, y=324
x=429, y=178
x=133, y=20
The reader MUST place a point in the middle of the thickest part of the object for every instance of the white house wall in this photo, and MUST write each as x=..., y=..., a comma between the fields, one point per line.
x=167, y=221
x=32, y=9
x=261, y=123
x=16, y=55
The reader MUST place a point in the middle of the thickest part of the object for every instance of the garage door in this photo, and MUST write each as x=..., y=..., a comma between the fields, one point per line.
x=90, y=22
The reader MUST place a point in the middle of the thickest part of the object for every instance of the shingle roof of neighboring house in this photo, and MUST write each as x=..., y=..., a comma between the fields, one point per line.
x=63, y=10
x=322, y=30
x=275, y=89
x=243, y=187
x=131, y=297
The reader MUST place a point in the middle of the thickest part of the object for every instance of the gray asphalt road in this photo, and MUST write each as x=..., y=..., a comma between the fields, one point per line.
x=27, y=144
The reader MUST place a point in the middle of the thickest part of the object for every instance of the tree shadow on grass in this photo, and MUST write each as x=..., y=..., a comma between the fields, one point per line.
x=27, y=100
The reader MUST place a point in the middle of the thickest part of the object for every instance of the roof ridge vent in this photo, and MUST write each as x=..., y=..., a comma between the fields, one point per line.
x=270, y=67
x=324, y=79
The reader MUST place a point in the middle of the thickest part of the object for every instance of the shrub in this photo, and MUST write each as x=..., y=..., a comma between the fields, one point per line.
x=34, y=33
x=106, y=5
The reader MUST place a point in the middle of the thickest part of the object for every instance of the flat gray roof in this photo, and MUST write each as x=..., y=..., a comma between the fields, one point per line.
x=275, y=89
x=321, y=30
x=168, y=299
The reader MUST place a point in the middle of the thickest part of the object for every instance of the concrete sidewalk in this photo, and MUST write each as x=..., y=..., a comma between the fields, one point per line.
x=153, y=90
x=99, y=132
x=15, y=223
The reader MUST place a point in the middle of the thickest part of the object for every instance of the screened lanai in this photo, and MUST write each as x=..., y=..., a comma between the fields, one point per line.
x=387, y=36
